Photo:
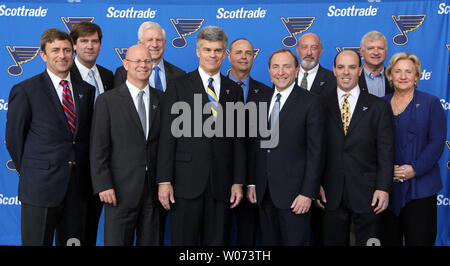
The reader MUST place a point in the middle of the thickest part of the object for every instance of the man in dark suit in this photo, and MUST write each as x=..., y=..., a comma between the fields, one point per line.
x=200, y=175
x=241, y=58
x=47, y=135
x=312, y=76
x=87, y=39
x=124, y=143
x=373, y=79
x=359, y=164
x=153, y=36
x=287, y=176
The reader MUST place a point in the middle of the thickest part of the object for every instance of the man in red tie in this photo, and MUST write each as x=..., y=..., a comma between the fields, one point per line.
x=47, y=136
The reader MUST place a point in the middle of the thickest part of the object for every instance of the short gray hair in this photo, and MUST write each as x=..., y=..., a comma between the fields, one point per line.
x=212, y=34
x=373, y=36
x=150, y=25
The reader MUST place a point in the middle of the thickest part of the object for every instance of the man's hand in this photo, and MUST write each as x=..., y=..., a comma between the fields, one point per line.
x=165, y=193
x=251, y=194
x=382, y=197
x=108, y=197
x=301, y=204
x=322, y=197
x=236, y=195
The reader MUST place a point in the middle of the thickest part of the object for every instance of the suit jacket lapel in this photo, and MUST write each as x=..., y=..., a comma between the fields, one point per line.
x=153, y=105
x=360, y=110
x=130, y=108
x=333, y=105
x=287, y=106
x=77, y=97
x=316, y=86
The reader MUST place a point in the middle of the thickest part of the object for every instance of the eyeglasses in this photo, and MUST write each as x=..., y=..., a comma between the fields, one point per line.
x=146, y=61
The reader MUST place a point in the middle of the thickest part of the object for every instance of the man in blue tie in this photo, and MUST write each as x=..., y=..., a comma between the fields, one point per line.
x=287, y=177
x=153, y=37
x=241, y=56
x=87, y=38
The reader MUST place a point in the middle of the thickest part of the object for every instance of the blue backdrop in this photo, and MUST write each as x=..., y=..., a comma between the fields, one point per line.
x=420, y=27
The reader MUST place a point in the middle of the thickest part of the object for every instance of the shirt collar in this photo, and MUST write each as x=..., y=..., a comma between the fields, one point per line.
x=285, y=93
x=56, y=80
x=205, y=77
x=84, y=71
x=354, y=93
x=246, y=80
x=134, y=91
x=311, y=71
x=161, y=66
x=369, y=74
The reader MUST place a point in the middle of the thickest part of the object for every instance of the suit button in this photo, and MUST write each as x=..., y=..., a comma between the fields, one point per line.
x=268, y=151
x=70, y=162
x=74, y=142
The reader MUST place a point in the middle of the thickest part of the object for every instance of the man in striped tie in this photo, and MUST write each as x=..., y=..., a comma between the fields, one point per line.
x=47, y=135
x=200, y=177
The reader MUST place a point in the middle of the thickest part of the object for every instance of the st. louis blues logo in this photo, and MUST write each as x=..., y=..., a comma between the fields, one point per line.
x=10, y=165
x=353, y=48
x=121, y=52
x=295, y=25
x=255, y=53
x=20, y=55
x=70, y=21
x=406, y=23
x=184, y=27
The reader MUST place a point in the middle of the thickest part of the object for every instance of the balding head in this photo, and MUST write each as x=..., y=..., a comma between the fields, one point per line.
x=138, y=63
x=309, y=50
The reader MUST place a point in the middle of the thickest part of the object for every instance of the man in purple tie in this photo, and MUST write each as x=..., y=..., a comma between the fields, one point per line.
x=47, y=135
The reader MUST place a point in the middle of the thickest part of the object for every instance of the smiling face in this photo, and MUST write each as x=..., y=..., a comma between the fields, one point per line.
x=309, y=50
x=153, y=40
x=211, y=55
x=59, y=57
x=347, y=70
x=241, y=56
x=138, y=65
x=404, y=75
x=282, y=70
x=374, y=53
x=87, y=49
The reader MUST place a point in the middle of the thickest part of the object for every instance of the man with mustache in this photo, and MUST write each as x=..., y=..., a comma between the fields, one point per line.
x=312, y=76
x=374, y=50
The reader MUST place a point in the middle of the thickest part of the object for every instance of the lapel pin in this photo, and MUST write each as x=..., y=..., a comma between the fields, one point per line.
x=321, y=83
x=365, y=108
x=80, y=95
x=417, y=105
x=228, y=91
x=154, y=106
x=256, y=90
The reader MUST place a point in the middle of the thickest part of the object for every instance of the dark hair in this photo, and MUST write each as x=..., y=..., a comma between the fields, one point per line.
x=53, y=34
x=357, y=55
x=85, y=28
x=284, y=50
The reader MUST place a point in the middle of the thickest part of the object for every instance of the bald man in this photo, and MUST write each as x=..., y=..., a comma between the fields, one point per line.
x=312, y=76
x=125, y=133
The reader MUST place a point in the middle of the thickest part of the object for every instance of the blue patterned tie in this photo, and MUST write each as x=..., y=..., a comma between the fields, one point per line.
x=158, y=84
x=275, y=111
x=93, y=82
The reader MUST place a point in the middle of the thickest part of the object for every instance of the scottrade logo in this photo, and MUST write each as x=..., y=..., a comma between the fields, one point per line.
x=442, y=200
x=222, y=13
x=294, y=26
x=22, y=11
x=352, y=11
x=184, y=27
x=406, y=23
x=20, y=55
x=444, y=9
x=4, y=200
x=3, y=104
x=70, y=21
x=130, y=13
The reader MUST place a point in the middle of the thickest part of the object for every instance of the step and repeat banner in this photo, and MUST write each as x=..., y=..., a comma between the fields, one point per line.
x=420, y=27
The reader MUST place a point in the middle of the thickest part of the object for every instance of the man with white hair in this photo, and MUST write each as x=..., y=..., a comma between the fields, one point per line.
x=374, y=49
x=153, y=36
x=312, y=76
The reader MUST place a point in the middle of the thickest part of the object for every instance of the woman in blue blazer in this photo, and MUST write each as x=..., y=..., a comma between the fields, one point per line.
x=420, y=130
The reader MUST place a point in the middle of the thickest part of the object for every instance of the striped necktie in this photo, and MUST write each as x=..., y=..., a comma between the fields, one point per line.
x=68, y=105
x=345, y=113
x=212, y=97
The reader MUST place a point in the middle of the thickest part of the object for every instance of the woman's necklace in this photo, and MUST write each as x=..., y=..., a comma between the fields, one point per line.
x=399, y=108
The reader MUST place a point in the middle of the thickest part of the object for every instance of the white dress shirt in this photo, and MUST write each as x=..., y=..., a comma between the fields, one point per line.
x=205, y=79
x=58, y=87
x=310, y=78
x=284, y=95
x=84, y=72
x=134, y=91
x=352, y=99
x=162, y=75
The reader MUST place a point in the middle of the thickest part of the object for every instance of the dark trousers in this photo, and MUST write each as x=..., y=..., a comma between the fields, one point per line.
x=282, y=227
x=204, y=220
x=316, y=225
x=39, y=224
x=417, y=224
x=246, y=222
x=123, y=223
x=336, y=225
x=94, y=211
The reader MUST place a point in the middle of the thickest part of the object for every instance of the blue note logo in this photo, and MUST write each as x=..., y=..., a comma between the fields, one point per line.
x=20, y=55
x=184, y=27
x=349, y=48
x=406, y=23
x=294, y=26
x=121, y=52
x=70, y=21
x=10, y=165
x=255, y=53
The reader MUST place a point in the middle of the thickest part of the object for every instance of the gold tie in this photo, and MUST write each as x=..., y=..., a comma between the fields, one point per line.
x=345, y=113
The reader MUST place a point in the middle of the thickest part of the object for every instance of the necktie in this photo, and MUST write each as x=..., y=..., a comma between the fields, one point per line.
x=141, y=112
x=158, y=84
x=304, y=83
x=345, y=113
x=244, y=91
x=212, y=97
x=275, y=111
x=93, y=82
x=68, y=105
